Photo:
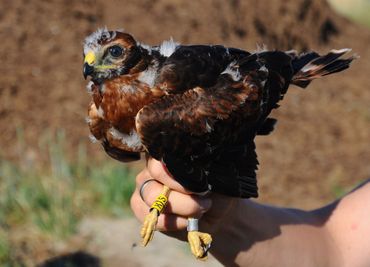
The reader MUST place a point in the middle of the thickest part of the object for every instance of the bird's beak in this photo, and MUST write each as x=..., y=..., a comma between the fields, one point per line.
x=88, y=65
x=88, y=70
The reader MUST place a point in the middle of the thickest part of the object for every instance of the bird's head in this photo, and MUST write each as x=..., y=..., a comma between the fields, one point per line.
x=108, y=54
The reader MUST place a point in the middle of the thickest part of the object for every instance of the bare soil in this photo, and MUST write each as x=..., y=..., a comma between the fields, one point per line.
x=322, y=139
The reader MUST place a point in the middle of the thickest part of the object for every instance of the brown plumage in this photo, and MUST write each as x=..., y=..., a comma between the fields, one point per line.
x=193, y=107
x=196, y=108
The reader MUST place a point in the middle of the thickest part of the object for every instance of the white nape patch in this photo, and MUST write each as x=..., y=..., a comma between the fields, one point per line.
x=148, y=76
x=92, y=41
x=132, y=140
x=100, y=112
x=89, y=87
x=232, y=71
x=168, y=47
x=93, y=138
x=146, y=47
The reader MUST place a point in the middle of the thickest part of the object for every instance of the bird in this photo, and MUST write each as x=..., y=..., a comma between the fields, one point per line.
x=195, y=108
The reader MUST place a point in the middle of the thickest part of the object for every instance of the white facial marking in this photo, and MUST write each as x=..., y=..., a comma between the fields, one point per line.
x=91, y=41
x=89, y=87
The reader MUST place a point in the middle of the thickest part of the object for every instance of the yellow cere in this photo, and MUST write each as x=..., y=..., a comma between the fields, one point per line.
x=90, y=58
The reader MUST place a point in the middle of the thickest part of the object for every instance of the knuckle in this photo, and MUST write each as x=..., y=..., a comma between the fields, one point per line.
x=141, y=178
x=154, y=171
x=193, y=208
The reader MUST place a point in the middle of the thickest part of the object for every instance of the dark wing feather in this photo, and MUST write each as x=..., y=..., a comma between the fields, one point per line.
x=119, y=154
x=234, y=173
x=194, y=116
x=196, y=65
x=310, y=66
x=267, y=127
x=192, y=131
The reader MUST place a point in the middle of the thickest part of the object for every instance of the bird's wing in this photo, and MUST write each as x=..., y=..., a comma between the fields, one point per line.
x=197, y=115
x=190, y=130
x=196, y=65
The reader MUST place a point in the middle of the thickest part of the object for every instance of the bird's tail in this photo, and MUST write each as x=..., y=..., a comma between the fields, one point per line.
x=310, y=66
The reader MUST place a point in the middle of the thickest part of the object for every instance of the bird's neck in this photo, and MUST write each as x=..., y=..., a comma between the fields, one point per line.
x=149, y=58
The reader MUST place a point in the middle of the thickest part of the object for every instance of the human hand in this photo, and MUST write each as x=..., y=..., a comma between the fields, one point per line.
x=181, y=205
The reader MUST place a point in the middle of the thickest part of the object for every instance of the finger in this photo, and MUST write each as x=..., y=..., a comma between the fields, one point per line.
x=178, y=203
x=166, y=222
x=158, y=172
x=142, y=177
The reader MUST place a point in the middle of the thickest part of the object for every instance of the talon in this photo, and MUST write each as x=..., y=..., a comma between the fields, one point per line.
x=149, y=225
x=151, y=220
x=199, y=243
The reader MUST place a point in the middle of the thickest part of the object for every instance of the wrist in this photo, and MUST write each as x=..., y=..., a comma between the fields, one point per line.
x=233, y=232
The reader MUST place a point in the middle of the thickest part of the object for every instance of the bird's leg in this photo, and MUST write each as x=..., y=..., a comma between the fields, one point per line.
x=150, y=221
x=199, y=242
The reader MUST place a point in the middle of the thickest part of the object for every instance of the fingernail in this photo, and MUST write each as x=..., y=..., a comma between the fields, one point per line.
x=205, y=204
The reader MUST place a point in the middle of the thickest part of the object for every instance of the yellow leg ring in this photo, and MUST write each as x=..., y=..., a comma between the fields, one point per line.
x=159, y=203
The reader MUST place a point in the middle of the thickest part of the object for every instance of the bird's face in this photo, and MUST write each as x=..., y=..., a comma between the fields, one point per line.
x=108, y=54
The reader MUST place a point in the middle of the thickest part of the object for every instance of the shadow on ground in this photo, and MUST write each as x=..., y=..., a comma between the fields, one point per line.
x=76, y=259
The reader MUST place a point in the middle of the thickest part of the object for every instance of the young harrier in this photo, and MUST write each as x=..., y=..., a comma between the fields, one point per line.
x=197, y=108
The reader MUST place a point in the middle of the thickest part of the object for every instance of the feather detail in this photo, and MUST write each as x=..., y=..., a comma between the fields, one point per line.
x=168, y=47
x=319, y=66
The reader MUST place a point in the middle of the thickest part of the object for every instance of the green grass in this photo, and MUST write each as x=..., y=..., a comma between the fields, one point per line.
x=358, y=11
x=52, y=199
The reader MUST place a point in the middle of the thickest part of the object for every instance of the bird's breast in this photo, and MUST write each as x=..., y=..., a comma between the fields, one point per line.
x=115, y=104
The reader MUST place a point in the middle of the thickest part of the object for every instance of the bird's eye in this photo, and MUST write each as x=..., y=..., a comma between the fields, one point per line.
x=116, y=51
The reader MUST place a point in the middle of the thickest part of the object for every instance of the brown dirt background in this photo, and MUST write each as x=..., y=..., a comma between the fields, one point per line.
x=322, y=139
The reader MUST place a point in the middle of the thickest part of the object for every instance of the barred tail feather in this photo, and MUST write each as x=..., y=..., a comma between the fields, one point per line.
x=311, y=66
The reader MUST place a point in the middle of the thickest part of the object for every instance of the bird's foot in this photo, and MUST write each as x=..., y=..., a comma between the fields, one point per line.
x=151, y=220
x=148, y=228
x=199, y=243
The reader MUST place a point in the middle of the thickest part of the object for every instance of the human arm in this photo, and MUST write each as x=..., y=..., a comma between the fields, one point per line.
x=246, y=233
